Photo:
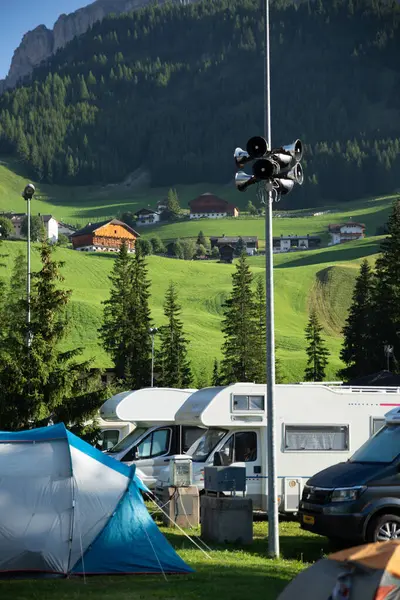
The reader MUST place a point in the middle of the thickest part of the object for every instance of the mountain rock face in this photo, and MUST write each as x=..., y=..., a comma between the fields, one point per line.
x=39, y=44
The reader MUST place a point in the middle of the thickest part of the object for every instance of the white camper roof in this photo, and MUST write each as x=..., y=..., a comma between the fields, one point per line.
x=148, y=405
x=244, y=404
x=222, y=406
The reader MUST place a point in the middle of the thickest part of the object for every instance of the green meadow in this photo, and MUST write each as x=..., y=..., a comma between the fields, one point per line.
x=322, y=278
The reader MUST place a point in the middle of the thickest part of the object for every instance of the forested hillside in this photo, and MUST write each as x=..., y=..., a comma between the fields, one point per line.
x=174, y=89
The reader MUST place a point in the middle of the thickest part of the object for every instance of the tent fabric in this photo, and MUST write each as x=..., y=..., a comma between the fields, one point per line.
x=370, y=572
x=67, y=508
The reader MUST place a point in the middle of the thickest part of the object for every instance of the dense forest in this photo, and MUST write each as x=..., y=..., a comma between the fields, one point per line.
x=175, y=88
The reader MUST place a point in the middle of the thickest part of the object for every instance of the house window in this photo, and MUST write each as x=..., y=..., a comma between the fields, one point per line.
x=316, y=438
x=115, y=231
x=243, y=402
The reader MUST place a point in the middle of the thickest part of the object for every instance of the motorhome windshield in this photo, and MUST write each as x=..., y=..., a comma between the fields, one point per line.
x=206, y=444
x=383, y=447
x=128, y=440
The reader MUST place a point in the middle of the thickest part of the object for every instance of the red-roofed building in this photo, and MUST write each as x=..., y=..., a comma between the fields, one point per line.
x=211, y=207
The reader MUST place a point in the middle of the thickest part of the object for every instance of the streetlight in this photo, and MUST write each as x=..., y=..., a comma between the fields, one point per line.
x=27, y=195
x=152, y=331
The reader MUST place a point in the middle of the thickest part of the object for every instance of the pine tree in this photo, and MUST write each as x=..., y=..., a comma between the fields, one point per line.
x=138, y=349
x=239, y=328
x=201, y=240
x=172, y=362
x=40, y=383
x=316, y=351
x=358, y=344
x=260, y=342
x=173, y=207
x=216, y=377
x=115, y=330
x=385, y=318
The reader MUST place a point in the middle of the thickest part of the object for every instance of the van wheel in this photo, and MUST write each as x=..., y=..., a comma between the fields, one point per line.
x=384, y=528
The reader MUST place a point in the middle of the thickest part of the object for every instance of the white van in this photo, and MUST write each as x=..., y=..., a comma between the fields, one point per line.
x=156, y=436
x=317, y=426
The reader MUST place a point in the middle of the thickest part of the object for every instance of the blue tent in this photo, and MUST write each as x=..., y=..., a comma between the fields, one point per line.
x=67, y=508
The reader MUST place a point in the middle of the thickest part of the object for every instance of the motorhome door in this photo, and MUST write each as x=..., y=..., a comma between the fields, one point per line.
x=244, y=446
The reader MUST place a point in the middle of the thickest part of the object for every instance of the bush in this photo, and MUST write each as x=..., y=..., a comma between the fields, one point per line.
x=62, y=240
x=144, y=246
x=158, y=245
x=6, y=228
x=215, y=252
x=189, y=249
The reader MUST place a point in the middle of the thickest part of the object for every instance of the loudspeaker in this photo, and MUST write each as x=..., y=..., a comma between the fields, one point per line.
x=256, y=147
x=295, y=149
x=243, y=181
x=265, y=168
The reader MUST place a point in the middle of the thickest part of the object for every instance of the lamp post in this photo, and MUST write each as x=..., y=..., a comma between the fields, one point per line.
x=152, y=331
x=273, y=519
x=27, y=195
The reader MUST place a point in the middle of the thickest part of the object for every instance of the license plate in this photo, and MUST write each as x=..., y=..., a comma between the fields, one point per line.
x=309, y=520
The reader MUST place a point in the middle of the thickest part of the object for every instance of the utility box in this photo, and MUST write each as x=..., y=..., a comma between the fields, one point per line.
x=181, y=506
x=227, y=519
x=180, y=471
x=225, y=479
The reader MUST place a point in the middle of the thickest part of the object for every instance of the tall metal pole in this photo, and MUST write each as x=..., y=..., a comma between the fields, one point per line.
x=28, y=277
x=273, y=519
x=152, y=360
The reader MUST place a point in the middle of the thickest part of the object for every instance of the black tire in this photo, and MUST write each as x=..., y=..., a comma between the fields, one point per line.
x=384, y=528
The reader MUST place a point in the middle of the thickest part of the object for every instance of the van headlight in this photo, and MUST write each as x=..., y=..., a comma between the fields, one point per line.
x=347, y=494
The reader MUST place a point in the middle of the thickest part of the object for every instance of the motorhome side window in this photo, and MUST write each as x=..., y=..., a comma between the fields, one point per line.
x=155, y=444
x=241, y=447
x=243, y=402
x=316, y=437
x=109, y=438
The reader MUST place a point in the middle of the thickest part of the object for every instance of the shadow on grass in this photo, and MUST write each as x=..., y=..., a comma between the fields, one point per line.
x=217, y=581
x=333, y=254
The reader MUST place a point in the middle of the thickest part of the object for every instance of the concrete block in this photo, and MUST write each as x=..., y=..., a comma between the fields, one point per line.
x=183, y=507
x=227, y=519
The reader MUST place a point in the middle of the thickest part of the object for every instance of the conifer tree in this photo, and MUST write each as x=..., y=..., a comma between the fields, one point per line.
x=260, y=341
x=201, y=240
x=316, y=351
x=357, y=346
x=172, y=361
x=385, y=320
x=173, y=207
x=216, y=377
x=239, y=327
x=40, y=383
x=138, y=349
x=115, y=330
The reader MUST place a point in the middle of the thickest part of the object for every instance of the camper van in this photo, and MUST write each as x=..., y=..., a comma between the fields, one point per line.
x=112, y=432
x=317, y=426
x=156, y=436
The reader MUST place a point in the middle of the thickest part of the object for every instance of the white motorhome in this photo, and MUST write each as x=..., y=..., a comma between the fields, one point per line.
x=317, y=426
x=113, y=432
x=156, y=436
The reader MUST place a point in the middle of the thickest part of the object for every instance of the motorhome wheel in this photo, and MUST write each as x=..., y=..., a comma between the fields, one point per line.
x=384, y=528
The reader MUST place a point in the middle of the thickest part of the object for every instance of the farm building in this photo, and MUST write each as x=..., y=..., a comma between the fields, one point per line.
x=211, y=207
x=105, y=236
x=250, y=242
x=285, y=243
x=147, y=216
x=226, y=252
x=49, y=222
x=346, y=232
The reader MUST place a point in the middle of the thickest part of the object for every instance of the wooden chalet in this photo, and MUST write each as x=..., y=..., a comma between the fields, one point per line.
x=105, y=236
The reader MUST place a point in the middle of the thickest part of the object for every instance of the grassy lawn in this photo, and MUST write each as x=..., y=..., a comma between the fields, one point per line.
x=234, y=573
x=323, y=278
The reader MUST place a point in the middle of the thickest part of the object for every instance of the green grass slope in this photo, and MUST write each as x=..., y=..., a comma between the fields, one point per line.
x=323, y=278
